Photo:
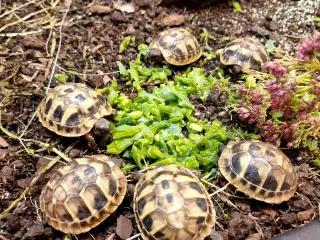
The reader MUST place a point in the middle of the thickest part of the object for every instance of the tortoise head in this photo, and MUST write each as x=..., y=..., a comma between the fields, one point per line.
x=156, y=55
x=102, y=127
x=235, y=69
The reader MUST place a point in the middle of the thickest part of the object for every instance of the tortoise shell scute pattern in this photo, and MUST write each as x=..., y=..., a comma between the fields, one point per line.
x=72, y=109
x=248, y=53
x=82, y=194
x=178, y=46
x=259, y=169
x=171, y=203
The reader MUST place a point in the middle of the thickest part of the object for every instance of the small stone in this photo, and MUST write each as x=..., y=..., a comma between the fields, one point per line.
x=274, y=25
x=37, y=231
x=299, y=205
x=118, y=17
x=124, y=227
x=99, y=9
x=288, y=218
x=24, y=183
x=305, y=215
x=173, y=20
x=13, y=223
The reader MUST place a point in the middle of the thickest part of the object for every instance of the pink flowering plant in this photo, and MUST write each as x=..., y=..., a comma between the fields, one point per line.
x=283, y=100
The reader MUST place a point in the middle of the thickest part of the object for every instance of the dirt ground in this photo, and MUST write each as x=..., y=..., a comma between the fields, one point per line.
x=90, y=39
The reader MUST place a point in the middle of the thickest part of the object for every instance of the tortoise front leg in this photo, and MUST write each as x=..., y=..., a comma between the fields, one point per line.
x=91, y=142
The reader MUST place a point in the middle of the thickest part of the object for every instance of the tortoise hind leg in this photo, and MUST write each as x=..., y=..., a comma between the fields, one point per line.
x=91, y=141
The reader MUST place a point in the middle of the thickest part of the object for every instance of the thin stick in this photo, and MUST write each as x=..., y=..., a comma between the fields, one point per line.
x=39, y=143
x=219, y=190
x=59, y=45
x=134, y=237
x=21, y=19
x=17, y=8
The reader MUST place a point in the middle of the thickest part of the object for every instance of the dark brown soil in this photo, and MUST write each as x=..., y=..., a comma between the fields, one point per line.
x=90, y=45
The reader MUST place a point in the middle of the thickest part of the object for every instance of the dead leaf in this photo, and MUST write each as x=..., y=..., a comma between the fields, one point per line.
x=270, y=212
x=173, y=20
x=3, y=153
x=3, y=143
x=305, y=215
x=124, y=7
x=124, y=227
x=99, y=9
x=106, y=79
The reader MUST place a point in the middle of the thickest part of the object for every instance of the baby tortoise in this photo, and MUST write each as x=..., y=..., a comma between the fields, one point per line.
x=260, y=170
x=170, y=203
x=82, y=194
x=243, y=54
x=73, y=109
x=175, y=46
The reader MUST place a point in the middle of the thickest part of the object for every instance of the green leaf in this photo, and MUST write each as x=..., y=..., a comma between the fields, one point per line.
x=124, y=131
x=236, y=6
x=128, y=167
x=193, y=127
x=143, y=49
x=119, y=145
x=137, y=156
x=312, y=144
x=122, y=69
x=317, y=19
x=124, y=44
x=134, y=74
x=316, y=163
x=271, y=48
x=62, y=77
x=154, y=152
x=277, y=114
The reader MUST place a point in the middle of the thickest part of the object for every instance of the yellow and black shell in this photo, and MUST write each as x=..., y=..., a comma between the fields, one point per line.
x=82, y=194
x=178, y=46
x=247, y=52
x=170, y=203
x=259, y=169
x=72, y=109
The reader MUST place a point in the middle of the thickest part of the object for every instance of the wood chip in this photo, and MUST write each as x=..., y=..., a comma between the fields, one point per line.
x=124, y=7
x=124, y=227
x=99, y=9
x=3, y=143
x=173, y=20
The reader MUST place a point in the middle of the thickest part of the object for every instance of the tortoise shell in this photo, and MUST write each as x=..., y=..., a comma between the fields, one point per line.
x=248, y=53
x=178, y=46
x=170, y=203
x=82, y=194
x=72, y=109
x=259, y=169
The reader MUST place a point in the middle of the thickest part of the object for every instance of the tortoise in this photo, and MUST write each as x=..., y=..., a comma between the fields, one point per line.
x=258, y=169
x=82, y=194
x=73, y=110
x=244, y=54
x=176, y=46
x=170, y=203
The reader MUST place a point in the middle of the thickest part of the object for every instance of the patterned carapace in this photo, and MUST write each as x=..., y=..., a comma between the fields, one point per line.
x=171, y=203
x=248, y=53
x=72, y=109
x=259, y=169
x=82, y=194
x=178, y=46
